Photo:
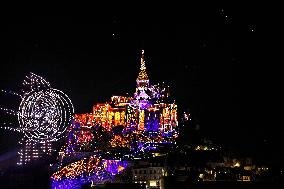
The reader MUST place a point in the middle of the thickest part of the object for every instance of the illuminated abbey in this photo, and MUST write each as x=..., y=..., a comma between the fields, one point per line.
x=148, y=113
x=101, y=143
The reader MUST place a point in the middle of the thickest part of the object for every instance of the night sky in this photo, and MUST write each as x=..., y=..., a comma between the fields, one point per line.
x=208, y=57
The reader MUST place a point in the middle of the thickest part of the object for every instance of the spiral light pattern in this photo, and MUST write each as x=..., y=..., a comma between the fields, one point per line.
x=44, y=115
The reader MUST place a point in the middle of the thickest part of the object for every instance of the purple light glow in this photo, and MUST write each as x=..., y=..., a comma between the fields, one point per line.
x=105, y=170
x=152, y=124
x=144, y=104
x=114, y=166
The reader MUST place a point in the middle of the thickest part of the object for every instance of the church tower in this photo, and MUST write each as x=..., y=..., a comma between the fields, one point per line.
x=142, y=79
x=142, y=82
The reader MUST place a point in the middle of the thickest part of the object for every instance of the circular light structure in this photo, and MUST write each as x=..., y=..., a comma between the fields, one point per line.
x=44, y=115
x=44, y=112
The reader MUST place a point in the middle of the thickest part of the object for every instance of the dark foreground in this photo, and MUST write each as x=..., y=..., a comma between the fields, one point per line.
x=229, y=185
x=200, y=185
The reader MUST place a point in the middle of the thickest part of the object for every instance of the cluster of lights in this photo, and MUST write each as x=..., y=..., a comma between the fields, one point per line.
x=186, y=116
x=143, y=119
x=44, y=112
x=143, y=77
x=138, y=124
x=32, y=151
x=87, y=170
x=96, y=138
x=202, y=147
x=43, y=115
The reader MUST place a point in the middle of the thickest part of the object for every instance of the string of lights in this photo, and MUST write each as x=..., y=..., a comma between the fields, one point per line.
x=11, y=92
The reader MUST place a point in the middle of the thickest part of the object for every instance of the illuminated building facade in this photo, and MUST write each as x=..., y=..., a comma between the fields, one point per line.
x=148, y=112
x=135, y=124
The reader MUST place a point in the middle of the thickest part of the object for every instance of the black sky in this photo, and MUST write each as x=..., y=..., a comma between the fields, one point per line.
x=207, y=57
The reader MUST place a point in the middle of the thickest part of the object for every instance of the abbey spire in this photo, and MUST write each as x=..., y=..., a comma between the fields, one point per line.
x=142, y=79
